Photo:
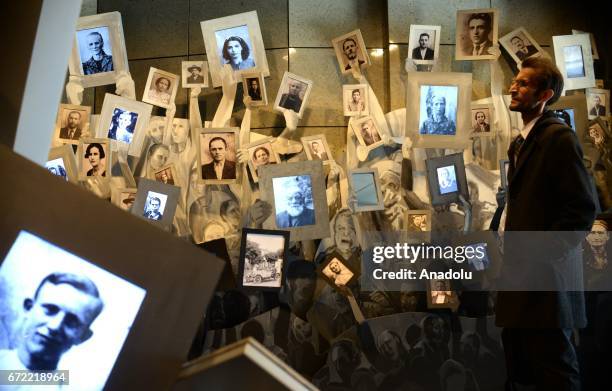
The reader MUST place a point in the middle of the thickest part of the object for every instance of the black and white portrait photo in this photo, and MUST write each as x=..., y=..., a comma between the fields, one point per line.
x=351, y=51
x=194, y=74
x=438, y=110
x=522, y=46
x=57, y=167
x=264, y=257
x=292, y=94
x=293, y=201
x=317, y=150
x=155, y=205
x=598, y=102
x=481, y=120
x=123, y=124
x=218, y=156
x=160, y=89
x=424, y=43
x=574, y=63
x=476, y=33
x=447, y=179
x=61, y=312
x=72, y=122
x=368, y=132
x=234, y=47
x=480, y=261
x=95, y=50
x=418, y=222
x=440, y=292
x=262, y=155
x=165, y=176
x=94, y=161
x=355, y=99
x=337, y=272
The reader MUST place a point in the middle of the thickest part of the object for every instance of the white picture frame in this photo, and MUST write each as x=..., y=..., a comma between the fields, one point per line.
x=245, y=26
x=62, y=133
x=308, y=141
x=375, y=139
x=164, y=99
x=356, y=46
x=355, y=109
x=253, y=149
x=594, y=50
x=198, y=80
x=575, y=60
x=519, y=40
x=414, y=39
x=283, y=97
x=604, y=98
x=114, y=108
x=62, y=158
x=464, y=46
x=109, y=25
x=247, y=79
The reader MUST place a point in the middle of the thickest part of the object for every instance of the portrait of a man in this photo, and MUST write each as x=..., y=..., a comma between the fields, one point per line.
x=479, y=28
x=424, y=51
x=447, y=179
x=95, y=156
x=356, y=103
x=351, y=50
x=598, y=108
x=318, y=151
x=195, y=75
x=438, y=110
x=417, y=223
x=165, y=176
x=153, y=207
x=369, y=132
x=254, y=90
x=480, y=122
x=522, y=47
x=292, y=99
x=220, y=167
x=96, y=54
x=337, y=272
x=293, y=201
x=439, y=292
x=235, y=47
x=74, y=126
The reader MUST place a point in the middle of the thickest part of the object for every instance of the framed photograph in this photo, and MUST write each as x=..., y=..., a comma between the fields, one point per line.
x=161, y=88
x=234, y=40
x=254, y=86
x=337, y=272
x=355, y=100
x=166, y=174
x=316, y=148
x=504, y=165
x=598, y=134
x=418, y=220
x=367, y=132
x=572, y=109
x=61, y=162
x=217, y=155
x=156, y=202
x=365, y=183
x=124, y=198
x=124, y=120
x=293, y=93
x=440, y=117
x=298, y=197
x=261, y=153
x=441, y=295
x=476, y=32
x=72, y=123
x=351, y=51
x=263, y=255
x=194, y=74
x=94, y=157
x=599, y=83
x=574, y=60
x=482, y=117
x=594, y=51
x=424, y=43
x=99, y=54
x=520, y=45
x=598, y=102
x=446, y=179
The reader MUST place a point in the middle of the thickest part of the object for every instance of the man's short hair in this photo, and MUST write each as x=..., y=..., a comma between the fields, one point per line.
x=245, y=48
x=516, y=37
x=194, y=67
x=98, y=34
x=80, y=283
x=479, y=112
x=164, y=78
x=95, y=145
x=547, y=76
x=215, y=139
x=79, y=113
x=426, y=34
x=356, y=90
x=349, y=39
x=482, y=16
x=151, y=199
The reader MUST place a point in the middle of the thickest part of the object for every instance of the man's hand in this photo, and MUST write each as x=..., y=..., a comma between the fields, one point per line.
x=194, y=92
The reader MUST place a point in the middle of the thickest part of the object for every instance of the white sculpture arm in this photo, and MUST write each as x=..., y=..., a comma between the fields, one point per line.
x=224, y=111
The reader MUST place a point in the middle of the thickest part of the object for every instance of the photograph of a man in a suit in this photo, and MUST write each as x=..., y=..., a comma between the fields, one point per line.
x=318, y=152
x=598, y=110
x=195, y=77
x=423, y=51
x=291, y=100
x=538, y=325
x=297, y=213
x=72, y=131
x=478, y=27
x=220, y=167
x=521, y=49
x=351, y=51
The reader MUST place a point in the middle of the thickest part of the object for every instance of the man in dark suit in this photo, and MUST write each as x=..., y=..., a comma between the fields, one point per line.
x=479, y=29
x=351, y=51
x=291, y=100
x=522, y=51
x=423, y=52
x=598, y=110
x=220, y=167
x=195, y=77
x=152, y=212
x=72, y=131
x=297, y=213
x=549, y=191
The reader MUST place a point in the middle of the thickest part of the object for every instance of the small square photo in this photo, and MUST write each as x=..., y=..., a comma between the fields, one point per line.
x=155, y=205
x=293, y=201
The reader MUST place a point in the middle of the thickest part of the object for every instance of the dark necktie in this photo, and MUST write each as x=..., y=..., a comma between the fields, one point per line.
x=518, y=143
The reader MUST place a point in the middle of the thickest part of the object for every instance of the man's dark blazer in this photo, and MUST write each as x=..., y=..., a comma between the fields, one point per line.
x=229, y=170
x=416, y=54
x=199, y=79
x=531, y=50
x=307, y=217
x=598, y=111
x=77, y=133
x=290, y=102
x=549, y=190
